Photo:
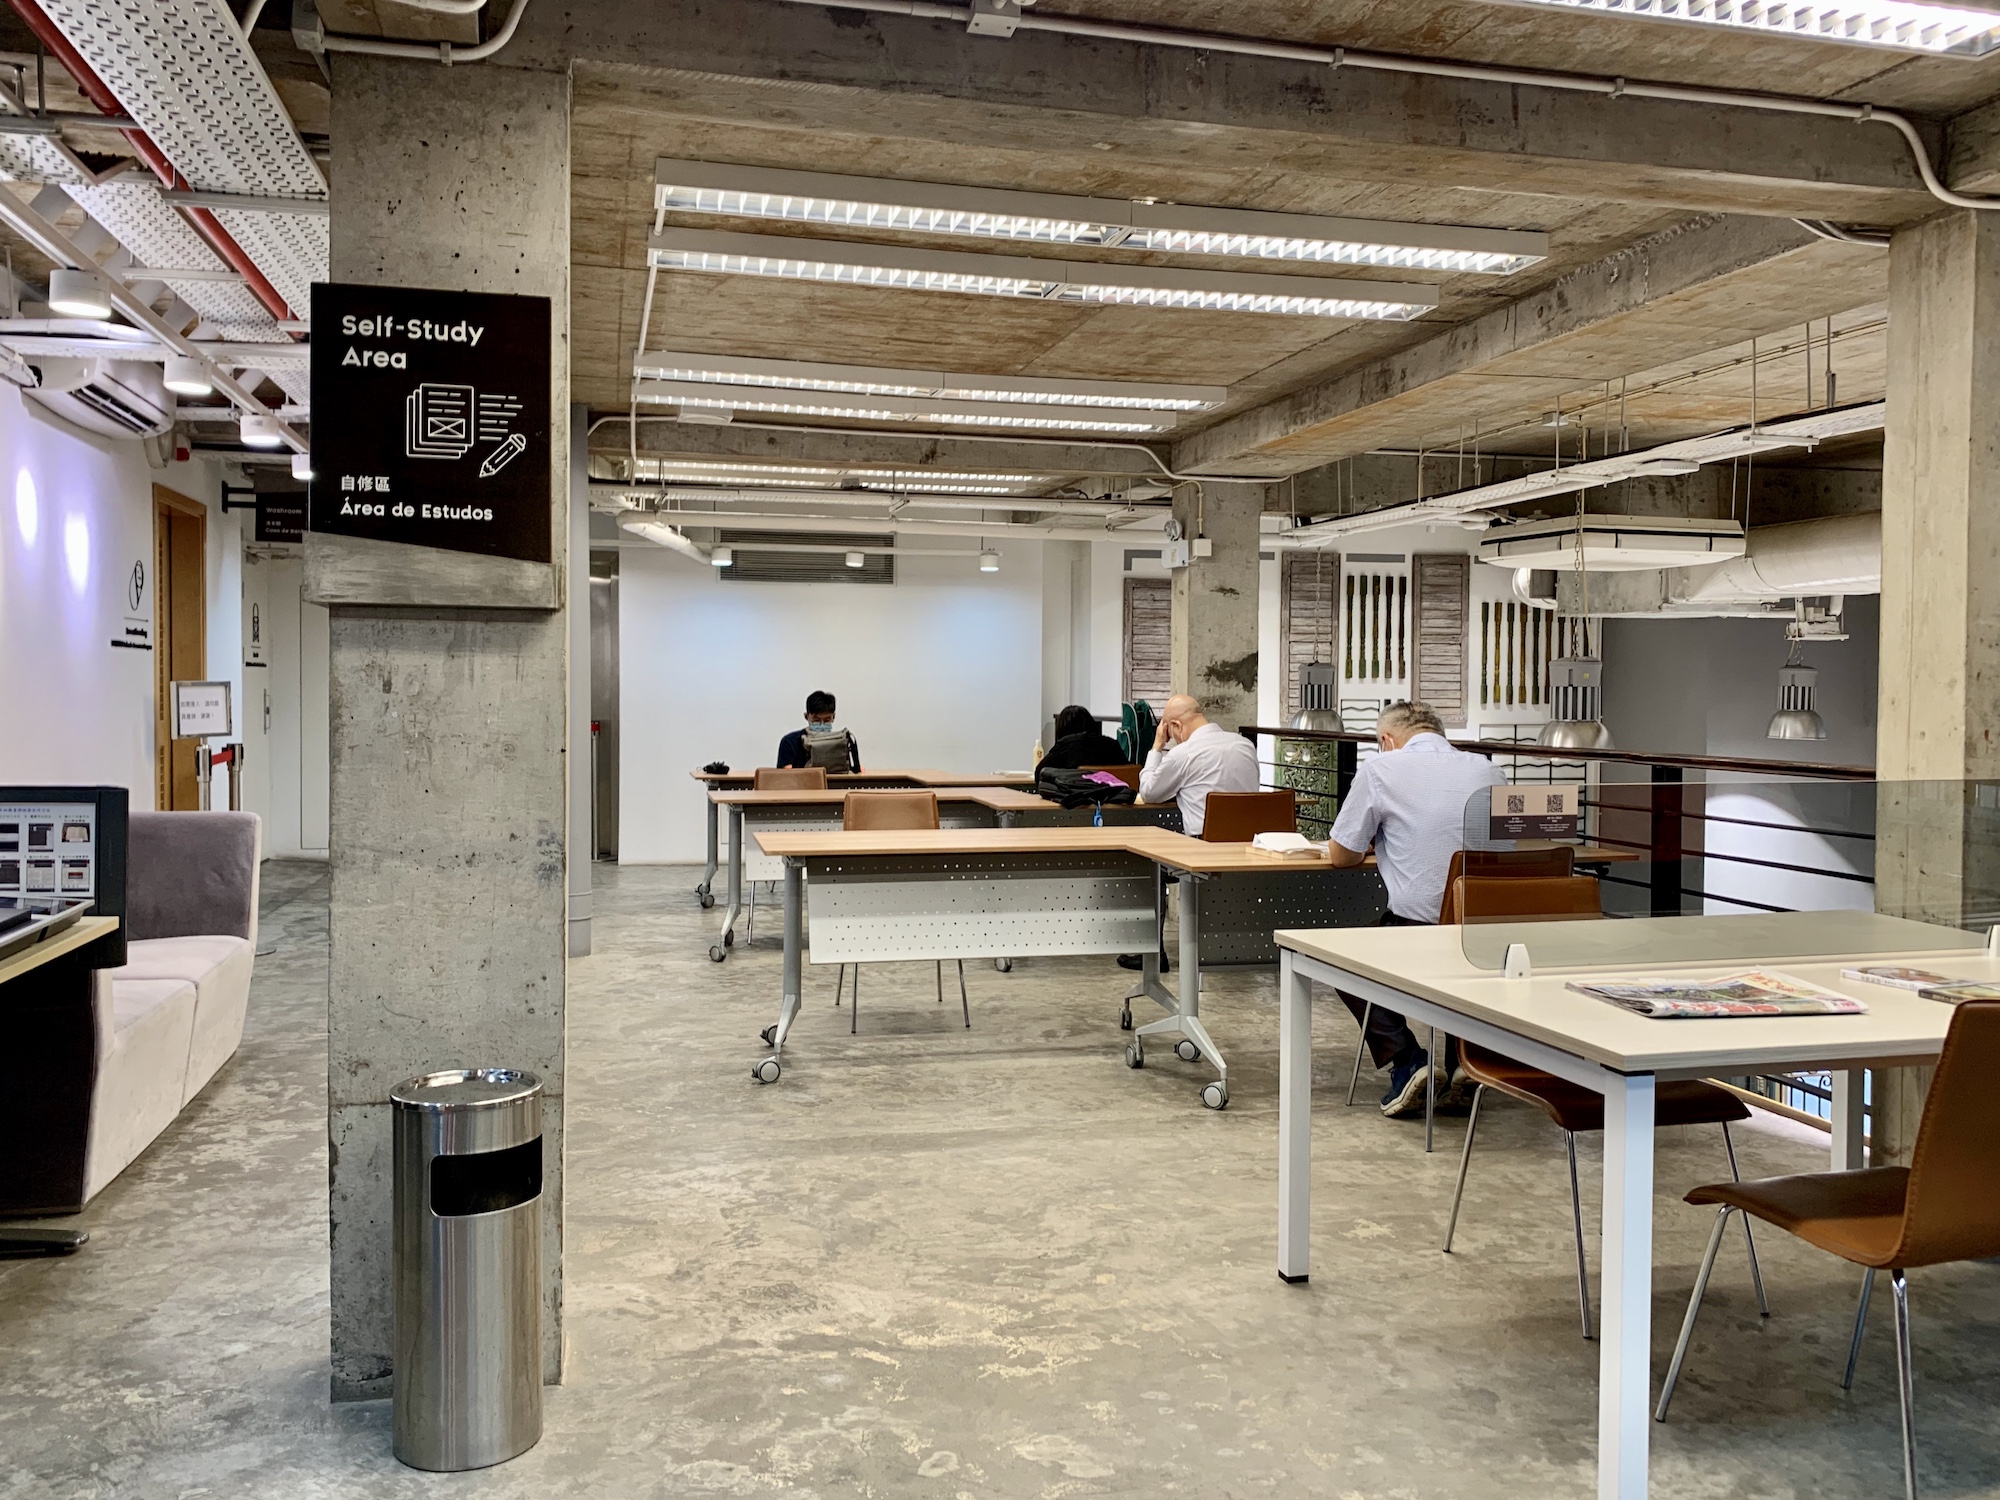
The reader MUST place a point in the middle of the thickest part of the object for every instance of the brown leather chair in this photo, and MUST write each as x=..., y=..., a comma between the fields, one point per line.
x=1524, y=864
x=1127, y=774
x=1574, y=1109
x=888, y=812
x=1943, y=1207
x=1238, y=817
x=789, y=779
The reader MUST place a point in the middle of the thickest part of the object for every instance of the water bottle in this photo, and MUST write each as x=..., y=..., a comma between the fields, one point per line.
x=1097, y=815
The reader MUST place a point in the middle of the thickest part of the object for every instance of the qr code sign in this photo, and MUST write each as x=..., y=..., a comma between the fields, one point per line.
x=1517, y=802
x=1555, y=802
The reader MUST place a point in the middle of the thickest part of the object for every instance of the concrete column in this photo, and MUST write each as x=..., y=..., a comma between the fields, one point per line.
x=582, y=839
x=1215, y=600
x=1940, y=649
x=450, y=802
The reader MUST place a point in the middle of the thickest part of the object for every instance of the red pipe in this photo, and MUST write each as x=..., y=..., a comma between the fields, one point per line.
x=204, y=222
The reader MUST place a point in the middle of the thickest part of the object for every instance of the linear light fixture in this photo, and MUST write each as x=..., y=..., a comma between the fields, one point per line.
x=1054, y=219
x=694, y=400
x=1900, y=25
x=795, y=476
x=901, y=268
x=799, y=375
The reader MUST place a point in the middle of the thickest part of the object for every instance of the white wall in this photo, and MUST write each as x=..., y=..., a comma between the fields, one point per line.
x=76, y=518
x=944, y=669
x=299, y=746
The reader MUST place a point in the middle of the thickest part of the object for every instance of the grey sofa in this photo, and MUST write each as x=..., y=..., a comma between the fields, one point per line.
x=173, y=1015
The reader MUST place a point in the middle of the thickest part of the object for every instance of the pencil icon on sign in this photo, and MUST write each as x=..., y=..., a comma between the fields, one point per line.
x=503, y=455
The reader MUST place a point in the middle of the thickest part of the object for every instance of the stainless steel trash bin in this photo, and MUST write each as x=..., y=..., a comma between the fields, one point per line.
x=468, y=1256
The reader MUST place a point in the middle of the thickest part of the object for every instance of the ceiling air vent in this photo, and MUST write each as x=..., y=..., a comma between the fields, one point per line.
x=120, y=398
x=805, y=557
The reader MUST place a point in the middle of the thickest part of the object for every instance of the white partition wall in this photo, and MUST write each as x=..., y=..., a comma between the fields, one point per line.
x=942, y=668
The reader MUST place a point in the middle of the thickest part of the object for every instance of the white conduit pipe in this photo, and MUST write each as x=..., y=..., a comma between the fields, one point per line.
x=441, y=52
x=1389, y=62
x=52, y=243
x=1832, y=555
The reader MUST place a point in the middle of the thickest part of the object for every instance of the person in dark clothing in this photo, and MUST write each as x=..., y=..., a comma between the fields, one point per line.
x=1080, y=743
x=796, y=748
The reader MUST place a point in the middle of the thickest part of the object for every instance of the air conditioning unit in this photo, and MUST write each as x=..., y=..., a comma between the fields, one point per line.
x=120, y=398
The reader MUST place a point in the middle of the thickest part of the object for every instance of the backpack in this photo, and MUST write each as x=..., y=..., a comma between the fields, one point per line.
x=1138, y=727
x=1070, y=788
x=832, y=750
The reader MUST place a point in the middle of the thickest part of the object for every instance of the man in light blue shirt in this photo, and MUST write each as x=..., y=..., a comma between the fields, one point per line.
x=1409, y=803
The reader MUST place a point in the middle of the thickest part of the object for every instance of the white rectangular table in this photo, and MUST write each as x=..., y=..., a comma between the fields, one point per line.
x=1424, y=973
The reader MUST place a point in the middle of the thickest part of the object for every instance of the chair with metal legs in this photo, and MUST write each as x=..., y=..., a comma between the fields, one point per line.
x=779, y=779
x=1576, y=1110
x=1558, y=862
x=880, y=812
x=1943, y=1207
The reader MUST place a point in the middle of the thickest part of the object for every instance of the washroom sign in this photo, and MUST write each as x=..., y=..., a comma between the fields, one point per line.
x=430, y=420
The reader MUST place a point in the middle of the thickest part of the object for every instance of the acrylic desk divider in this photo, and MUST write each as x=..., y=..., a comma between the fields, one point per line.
x=1734, y=871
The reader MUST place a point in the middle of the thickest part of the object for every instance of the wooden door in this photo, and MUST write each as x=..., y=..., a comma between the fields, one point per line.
x=1308, y=616
x=1444, y=617
x=180, y=637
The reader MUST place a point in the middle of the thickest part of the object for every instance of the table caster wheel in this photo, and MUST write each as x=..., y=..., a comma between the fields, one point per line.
x=707, y=901
x=1135, y=1056
x=715, y=952
x=1125, y=1019
x=1215, y=1096
x=1188, y=1052
x=767, y=1071
x=770, y=1036
x=1004, y=965
x=729, y=939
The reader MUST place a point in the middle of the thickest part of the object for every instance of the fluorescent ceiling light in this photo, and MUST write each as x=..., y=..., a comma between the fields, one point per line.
x=77, y=294
x=1052, y=219
x=1896, y=24
x=799, y=375
x=695, y=400
x=899, y=268
x=796, y=476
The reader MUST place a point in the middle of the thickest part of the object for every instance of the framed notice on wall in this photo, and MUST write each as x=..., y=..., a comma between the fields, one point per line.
x=431, y=419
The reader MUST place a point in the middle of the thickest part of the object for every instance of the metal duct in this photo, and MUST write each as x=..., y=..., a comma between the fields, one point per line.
x=1836, y=555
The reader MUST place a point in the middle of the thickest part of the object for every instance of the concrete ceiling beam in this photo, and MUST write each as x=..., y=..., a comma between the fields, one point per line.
x=1674, y=296
x=737, y=443
x=900, y=77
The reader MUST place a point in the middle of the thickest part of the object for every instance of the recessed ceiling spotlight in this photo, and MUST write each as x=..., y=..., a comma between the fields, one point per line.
x=1055, y=219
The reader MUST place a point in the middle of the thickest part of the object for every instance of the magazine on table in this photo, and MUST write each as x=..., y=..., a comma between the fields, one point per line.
x=1753, y=992
x=1925, y=983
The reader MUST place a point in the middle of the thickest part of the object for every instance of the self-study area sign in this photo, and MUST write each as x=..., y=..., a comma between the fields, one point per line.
x=431, y=418
x=1534, y=812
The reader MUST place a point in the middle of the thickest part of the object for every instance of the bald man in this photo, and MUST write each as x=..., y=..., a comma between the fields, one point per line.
x=1191, y=758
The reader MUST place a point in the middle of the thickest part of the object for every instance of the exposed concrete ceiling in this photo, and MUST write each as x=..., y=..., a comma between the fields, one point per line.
x=1671, y=237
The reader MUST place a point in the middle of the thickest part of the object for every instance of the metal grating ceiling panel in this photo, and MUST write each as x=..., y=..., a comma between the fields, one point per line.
x=28, y=158
x=137, y=217
x=184, y=71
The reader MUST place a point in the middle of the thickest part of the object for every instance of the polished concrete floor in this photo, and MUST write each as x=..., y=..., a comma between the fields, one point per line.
x=938, y=1263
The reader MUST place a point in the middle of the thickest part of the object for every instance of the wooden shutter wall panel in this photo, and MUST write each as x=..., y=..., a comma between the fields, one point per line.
x=1149, y=640
x=1308, y=616
x=1443, y=588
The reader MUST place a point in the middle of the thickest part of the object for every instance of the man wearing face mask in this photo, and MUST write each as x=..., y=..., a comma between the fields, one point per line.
x=822, y=742
x=1191, y=758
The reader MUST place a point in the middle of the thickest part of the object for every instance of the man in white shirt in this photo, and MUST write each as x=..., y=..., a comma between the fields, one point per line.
x=1191, y=758
x=1408, y=802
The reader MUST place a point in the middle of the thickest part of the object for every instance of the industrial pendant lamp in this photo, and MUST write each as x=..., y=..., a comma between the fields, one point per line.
x=1796, y=718
x=1576, y=679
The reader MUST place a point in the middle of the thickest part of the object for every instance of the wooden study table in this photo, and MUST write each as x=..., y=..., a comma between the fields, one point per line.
x=47, y=995
x=1424, y=972
x=741, y=781
x=752, y=812
x=1026, y=892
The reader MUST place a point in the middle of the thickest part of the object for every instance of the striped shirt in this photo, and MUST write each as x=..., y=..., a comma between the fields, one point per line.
x=1410, y=804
